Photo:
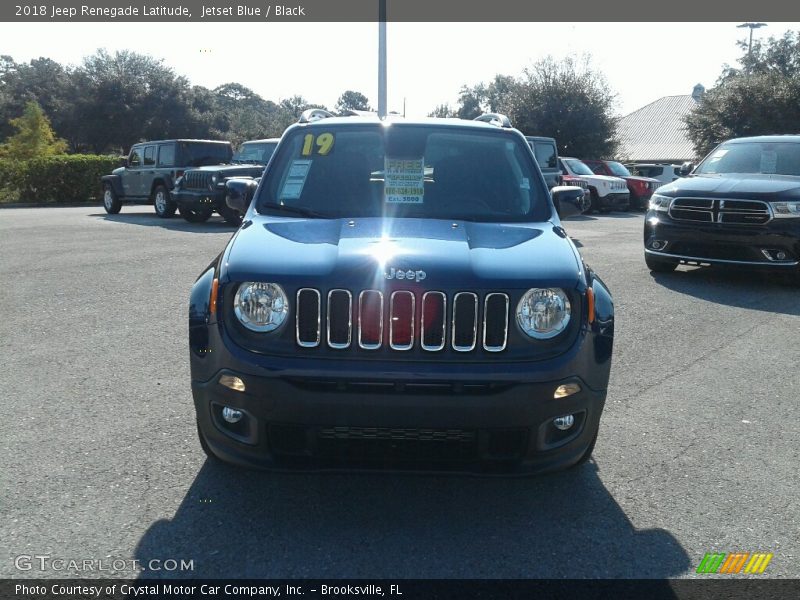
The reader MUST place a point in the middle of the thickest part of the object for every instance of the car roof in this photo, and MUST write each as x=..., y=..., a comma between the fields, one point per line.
x=403, y=122
x=181, y=140
x=273, y=140
x=538, y=138
x=789, y=137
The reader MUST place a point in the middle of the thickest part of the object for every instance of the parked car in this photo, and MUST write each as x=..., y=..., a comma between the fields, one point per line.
x=401, y=293
x=740, y=207
x=545, y=150
x=201, y=191
x=665, y=173
x=640, y=188
x=607, y=193
x=151, y=168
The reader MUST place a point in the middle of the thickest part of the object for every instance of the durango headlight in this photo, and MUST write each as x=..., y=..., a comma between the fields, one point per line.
x=543, y=313
x=660, y=203
x=784, y=210
x=260, y=306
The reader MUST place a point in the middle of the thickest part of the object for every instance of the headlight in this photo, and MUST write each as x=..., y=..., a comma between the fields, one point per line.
x=214, y=178
x=784, y=210
x=260, y=306
x=543, y=313
x=660, y=203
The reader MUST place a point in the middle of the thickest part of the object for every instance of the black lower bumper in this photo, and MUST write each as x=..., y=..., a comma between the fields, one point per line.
x=199, y=199
x=774, y=246
x=324, y=424
x=614, y=201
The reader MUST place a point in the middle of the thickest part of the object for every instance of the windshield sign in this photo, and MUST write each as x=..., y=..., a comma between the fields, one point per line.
x=405, y=171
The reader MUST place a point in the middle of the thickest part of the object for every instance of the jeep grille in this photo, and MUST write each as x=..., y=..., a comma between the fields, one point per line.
x=402, y=321
x=197, y=180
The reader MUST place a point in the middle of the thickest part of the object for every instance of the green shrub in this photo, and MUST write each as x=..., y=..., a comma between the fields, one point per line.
x=63, y=179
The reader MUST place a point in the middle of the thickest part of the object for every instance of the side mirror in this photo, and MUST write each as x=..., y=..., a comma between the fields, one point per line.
x=568, y=200
x=686, y=168
x=238, y=193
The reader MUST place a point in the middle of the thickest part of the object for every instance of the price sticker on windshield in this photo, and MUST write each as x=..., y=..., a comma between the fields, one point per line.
x=295, y=179
x=404, y=180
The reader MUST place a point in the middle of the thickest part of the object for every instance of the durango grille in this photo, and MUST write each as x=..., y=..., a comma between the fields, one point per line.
x=342, y=319
x=711, y=210
x=197, y=180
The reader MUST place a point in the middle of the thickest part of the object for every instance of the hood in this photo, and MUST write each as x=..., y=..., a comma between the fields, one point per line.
x=230, y=169
x=744, y=185
x=373, y=251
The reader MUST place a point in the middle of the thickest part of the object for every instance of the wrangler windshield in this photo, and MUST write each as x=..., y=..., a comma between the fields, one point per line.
x=437, y=172
x=768, y=158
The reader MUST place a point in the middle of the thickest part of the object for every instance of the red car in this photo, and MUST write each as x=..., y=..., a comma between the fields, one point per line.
x=641, y=188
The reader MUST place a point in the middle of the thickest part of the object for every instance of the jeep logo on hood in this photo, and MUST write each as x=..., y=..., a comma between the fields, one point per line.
x=409, y=274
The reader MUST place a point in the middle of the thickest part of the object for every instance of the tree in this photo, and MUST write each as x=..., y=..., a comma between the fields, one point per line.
x=443, y=111
x=566, y=100
x=34, y=137
x=770, y=74
x=351, y=100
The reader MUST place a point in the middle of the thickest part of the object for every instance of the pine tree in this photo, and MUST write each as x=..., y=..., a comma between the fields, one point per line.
x=34, y=137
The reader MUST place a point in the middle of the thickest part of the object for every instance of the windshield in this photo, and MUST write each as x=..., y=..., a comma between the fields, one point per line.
x=769, y=158
x=198, y=155
x=578, y=167
x=618, y=169
x=436, y=172
x=255, y=152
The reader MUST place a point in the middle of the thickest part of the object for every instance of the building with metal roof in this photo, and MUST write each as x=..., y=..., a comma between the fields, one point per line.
x=656, y=132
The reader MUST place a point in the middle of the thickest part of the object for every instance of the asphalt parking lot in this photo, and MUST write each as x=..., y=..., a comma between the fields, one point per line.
x=698, y=447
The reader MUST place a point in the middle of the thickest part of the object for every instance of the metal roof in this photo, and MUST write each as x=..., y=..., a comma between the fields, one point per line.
x=656, y=132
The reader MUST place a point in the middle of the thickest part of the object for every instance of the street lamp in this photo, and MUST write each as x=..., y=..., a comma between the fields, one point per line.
x=382, y=59
x=751, y=26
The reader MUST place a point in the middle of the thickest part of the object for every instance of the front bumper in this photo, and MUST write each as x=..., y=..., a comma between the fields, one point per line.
x=614, y=201
x=199, y=199
x=773, y=246
x=312, y=414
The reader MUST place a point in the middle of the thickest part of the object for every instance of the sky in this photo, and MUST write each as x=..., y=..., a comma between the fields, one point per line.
x=427, y=62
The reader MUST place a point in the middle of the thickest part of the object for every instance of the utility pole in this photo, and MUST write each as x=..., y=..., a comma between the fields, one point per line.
x=382, y=111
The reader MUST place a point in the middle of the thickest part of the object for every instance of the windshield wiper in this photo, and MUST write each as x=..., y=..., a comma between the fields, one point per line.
x=294, y=210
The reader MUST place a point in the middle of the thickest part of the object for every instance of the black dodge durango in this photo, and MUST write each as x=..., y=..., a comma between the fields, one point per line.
x=740, y=207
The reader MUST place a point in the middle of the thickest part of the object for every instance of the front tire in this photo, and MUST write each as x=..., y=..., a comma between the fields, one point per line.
x=658, y=265
x=196, y=215
x=163, y=203
x=110, y=201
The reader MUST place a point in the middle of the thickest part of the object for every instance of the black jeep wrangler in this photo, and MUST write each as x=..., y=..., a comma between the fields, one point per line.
x=151, y=168
x=400, y=293
x=201, y=191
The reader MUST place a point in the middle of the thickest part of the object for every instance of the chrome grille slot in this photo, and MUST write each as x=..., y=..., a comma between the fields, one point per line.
x=465, y=321
x=340, y=319
x=495, y=322
x=370, y=319
x=434, y=321
x=692, y=209
x=308, y=318
x=401, y=320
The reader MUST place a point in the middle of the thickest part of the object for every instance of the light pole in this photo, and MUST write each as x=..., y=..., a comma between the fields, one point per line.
x=751, y=26
x=382, y=59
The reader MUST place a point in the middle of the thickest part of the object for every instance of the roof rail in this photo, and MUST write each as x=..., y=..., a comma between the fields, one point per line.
x=495, y=119
x=314, y=114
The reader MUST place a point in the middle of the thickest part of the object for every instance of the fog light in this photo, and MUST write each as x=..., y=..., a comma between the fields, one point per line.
x=658, y=245
x=232, y=382
x=781, y=255
x=231, y=415
x=564, y=423
x=566, y=389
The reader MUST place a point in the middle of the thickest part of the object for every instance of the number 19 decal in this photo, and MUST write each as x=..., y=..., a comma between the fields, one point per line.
x=322, y=145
